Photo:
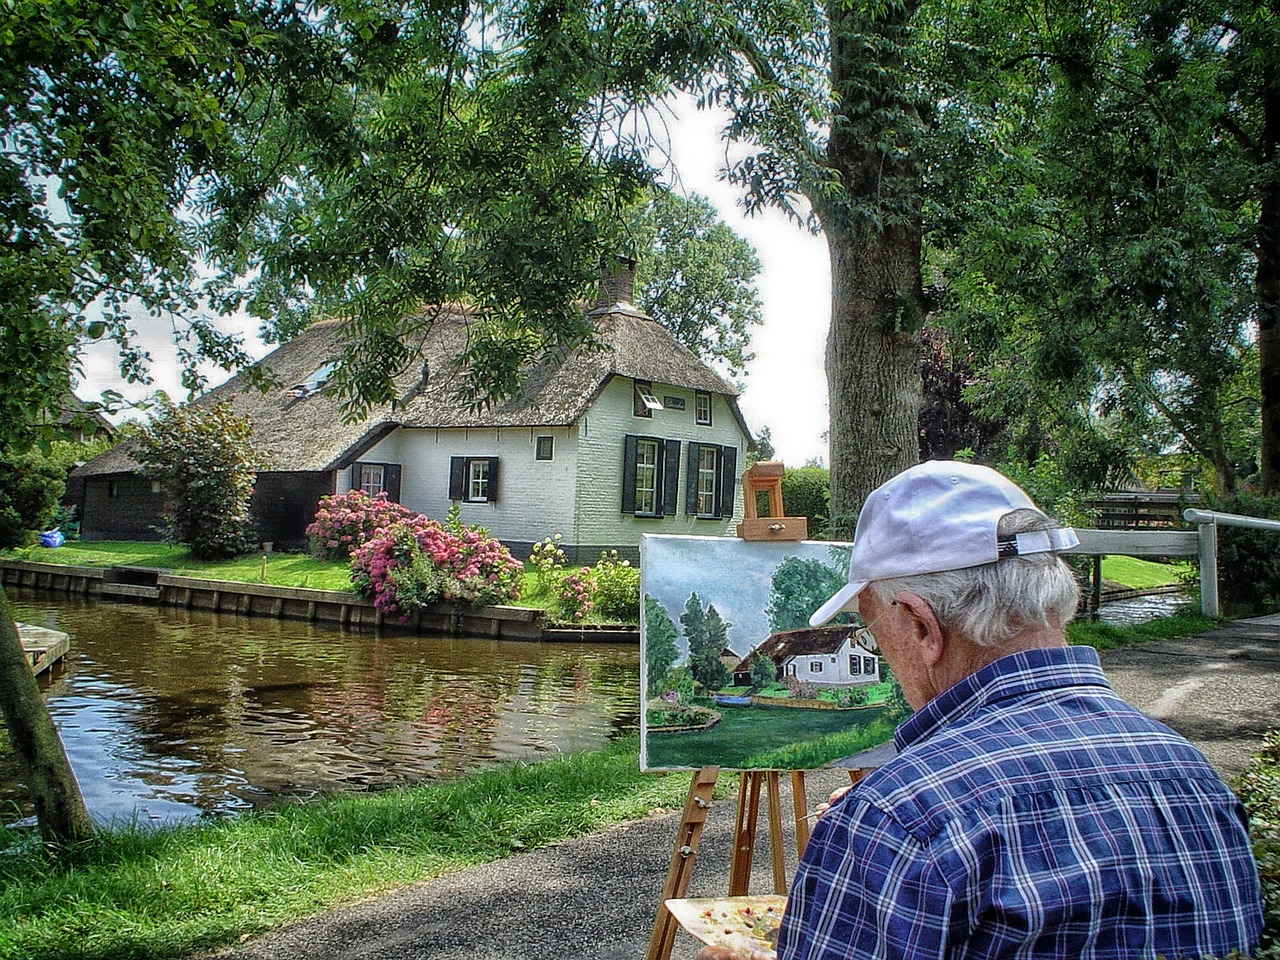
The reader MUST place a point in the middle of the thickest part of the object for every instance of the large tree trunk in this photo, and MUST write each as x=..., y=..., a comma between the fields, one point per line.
x=874, y=235
x=1268, y=292
x=873, y=374
x=60, y=809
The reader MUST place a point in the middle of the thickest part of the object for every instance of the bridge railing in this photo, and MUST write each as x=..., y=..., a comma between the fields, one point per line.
x=1143, y=543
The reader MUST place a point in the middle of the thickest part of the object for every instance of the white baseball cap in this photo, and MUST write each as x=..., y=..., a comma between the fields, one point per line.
x=936, y=516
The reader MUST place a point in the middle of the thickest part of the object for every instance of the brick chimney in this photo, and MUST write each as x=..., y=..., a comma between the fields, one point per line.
x=618, y=282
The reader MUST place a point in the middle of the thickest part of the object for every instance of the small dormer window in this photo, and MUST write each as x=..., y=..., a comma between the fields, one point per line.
x=314, y=383
x=645, y=401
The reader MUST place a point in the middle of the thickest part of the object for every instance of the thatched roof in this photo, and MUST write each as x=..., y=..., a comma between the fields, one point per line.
x=805, y=642
x=307, y=432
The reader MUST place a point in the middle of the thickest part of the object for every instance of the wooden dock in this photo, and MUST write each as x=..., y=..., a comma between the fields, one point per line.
x=44, y=647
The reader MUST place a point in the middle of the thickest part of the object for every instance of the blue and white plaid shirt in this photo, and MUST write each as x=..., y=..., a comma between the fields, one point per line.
x=1030, y=812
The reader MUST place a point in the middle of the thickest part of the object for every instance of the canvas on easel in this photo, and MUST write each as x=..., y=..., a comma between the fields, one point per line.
x=733, y=676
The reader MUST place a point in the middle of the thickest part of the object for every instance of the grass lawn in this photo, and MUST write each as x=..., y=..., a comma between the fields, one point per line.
x=745, y=733
x=279, y=569
x=168, y=893
x=1138, y=574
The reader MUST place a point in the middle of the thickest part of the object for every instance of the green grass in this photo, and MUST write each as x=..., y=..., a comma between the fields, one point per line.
x=167, y=893
x=1138, y=574
x=281, y=569
x=745, y=735
x=1104, y=636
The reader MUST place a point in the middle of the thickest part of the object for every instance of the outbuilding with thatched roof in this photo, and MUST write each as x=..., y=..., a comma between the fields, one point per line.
x=638, y=436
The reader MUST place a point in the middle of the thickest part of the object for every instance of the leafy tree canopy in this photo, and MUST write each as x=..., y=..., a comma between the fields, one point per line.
x=696, y=277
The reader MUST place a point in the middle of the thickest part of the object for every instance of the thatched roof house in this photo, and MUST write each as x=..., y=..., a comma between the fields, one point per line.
x=828, y=654
x=561, y=450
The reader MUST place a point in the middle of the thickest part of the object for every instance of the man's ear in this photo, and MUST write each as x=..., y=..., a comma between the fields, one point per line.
x=931, y=641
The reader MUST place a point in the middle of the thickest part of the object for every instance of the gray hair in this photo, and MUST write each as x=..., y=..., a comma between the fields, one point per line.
x=990, y=603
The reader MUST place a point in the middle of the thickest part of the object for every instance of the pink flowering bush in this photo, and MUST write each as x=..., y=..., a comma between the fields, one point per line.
x=573, y=596
x=345, y=521
x=419, y=561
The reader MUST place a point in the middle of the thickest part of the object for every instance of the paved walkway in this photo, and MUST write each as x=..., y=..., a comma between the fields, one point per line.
x=594, y=898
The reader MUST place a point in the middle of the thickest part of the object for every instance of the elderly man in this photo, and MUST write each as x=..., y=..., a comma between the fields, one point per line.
x=1029, y=812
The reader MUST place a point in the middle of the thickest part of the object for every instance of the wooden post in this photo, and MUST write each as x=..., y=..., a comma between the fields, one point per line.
x=683, y=855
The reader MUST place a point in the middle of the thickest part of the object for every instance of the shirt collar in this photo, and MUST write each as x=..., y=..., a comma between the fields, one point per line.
x=1010, y=676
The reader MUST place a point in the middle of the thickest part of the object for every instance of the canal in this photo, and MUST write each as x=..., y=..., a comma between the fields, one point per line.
x=170, y=714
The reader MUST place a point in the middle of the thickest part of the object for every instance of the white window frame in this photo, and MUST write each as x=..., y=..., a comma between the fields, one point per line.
x=708, y=480
x=645, y=402
x=815, y=666
x=648, y=457
x=544, y=442
x=702, y=408
x=477, y=480
x=373, y=478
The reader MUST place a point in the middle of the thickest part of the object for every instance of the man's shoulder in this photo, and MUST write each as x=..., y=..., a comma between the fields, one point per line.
x=1042, y=745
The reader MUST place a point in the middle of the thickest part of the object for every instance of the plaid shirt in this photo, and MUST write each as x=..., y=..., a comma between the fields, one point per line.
x=1030, y=812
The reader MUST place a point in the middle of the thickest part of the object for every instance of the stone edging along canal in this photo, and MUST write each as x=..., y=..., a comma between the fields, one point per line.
x=334, y=607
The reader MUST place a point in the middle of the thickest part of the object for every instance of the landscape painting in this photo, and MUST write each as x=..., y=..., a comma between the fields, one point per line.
x=732, y=675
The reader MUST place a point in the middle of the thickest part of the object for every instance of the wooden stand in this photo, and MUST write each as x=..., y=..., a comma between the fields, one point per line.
x=765, y=477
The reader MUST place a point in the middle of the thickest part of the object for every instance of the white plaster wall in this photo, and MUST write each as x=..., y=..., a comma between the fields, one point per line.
x=599, y=516
x=837, y=672
x=535, y=497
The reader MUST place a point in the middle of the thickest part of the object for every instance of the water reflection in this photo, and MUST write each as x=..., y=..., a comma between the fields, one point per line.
x=167, y=713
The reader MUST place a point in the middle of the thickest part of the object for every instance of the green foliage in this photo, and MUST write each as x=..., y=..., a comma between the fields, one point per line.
x=204, y=459
x=806, y=492
x=1053, y=488
x=801, y=586
x=763, y=671
x=616, y=593
x=696, y=277
x=30, y=485
x=660, y=647
x=1259, y=789
x=704, y=632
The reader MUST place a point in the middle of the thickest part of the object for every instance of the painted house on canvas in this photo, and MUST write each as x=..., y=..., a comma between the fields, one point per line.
x=825, y=655
x=639, y=436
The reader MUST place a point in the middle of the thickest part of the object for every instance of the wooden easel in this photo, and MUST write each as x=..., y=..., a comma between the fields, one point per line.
x=766, y=478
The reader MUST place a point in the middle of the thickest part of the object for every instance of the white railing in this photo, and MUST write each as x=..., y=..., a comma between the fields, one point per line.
x=1147, y=543
x=1207, y=522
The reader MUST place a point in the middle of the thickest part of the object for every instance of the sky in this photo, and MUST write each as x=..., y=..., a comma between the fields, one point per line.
x=785, y=388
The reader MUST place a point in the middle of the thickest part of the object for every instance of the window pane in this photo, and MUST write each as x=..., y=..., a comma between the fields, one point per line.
x=478, y=480
x=702, y=408
x=372, y=479
x=707, y=475
x=545, y=448
x=646, y=476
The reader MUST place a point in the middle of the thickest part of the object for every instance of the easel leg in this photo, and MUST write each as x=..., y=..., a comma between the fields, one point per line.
x=682, y=857
x=800, y=807
x=744, y=834
x=772, y=784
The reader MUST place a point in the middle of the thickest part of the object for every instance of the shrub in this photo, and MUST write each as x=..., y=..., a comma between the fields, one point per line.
x=806, y=493
x=547, y=560
x=1259, y=790
x=203, y=457
x=419, y=562
x=573, y=596
x=345, y=521
x=617, y=588
x=1252, y=557
x=29, y=489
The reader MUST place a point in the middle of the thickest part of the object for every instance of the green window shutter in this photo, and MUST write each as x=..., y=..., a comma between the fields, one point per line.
x=457, y=478
x=671, y=478
x=391, y=480
x=728, y=490
x=629, y=474
x=355, y=476
x=691, y=479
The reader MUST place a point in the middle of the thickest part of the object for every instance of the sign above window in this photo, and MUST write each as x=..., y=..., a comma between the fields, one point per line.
x=673, y=403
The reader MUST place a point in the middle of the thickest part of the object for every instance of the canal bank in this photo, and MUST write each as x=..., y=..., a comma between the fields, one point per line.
x=151, y=585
